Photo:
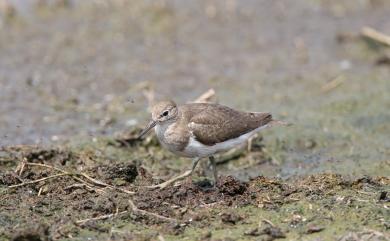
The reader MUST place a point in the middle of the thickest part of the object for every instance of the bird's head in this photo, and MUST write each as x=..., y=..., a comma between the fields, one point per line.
x=162, y=112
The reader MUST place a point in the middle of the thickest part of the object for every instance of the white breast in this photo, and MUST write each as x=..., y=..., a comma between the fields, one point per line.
x=160, y=130
x=197, y=149
x=163, y=131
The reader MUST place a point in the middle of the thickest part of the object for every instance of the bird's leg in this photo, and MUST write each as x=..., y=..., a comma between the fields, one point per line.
x=214, y=166
x=180, y=177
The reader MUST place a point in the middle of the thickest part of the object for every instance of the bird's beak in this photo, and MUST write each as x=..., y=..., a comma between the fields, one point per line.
x=150, y=125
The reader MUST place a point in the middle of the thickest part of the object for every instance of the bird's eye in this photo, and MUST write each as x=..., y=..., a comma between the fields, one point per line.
x=165, y=113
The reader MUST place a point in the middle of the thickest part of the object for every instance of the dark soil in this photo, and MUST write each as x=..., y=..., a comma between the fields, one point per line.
x=56, y=204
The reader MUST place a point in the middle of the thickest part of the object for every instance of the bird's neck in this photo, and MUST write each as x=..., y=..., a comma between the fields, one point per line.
x=161, y=128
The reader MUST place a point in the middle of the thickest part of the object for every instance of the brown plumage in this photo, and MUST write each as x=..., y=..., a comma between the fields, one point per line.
x=214, y=123
x=200, y=130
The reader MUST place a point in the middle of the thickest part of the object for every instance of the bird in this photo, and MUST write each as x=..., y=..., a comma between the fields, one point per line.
x=200, y=130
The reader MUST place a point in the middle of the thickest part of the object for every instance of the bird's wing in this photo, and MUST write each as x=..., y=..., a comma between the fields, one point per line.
x=216, y=123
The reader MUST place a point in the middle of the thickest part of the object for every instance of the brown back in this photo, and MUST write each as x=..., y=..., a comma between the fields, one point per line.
x=213, y=123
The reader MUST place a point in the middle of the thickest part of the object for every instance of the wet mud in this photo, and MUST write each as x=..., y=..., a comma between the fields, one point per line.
x=76, y=81
x=269, y=208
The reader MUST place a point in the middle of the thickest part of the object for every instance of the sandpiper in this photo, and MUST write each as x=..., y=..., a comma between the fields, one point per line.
x=200, y=130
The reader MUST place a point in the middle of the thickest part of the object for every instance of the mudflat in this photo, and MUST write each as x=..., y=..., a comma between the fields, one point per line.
x=75, y=82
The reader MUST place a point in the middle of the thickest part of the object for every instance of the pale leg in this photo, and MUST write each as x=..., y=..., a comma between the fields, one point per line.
x=175, y=179
x=214, y=166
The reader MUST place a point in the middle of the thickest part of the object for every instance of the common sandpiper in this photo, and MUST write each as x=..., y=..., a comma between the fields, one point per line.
x=200, y=130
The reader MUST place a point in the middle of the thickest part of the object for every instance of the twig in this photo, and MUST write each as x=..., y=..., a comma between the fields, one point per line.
x=45, y=165
x=92, y=180
x=76, y=185
x=57, y=169
x=376, y=36
x=19, y=168
x=97, y=182
x=101, y=217
x=268, y=222
x=133, y=208
x=144, y=212
x=38, y=180
x=205, y=97
x=74, y=176
x=40, y=191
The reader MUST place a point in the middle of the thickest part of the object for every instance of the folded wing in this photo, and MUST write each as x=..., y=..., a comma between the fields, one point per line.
x=216, y=123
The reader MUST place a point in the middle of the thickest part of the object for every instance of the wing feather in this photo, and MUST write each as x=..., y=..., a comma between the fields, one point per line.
x=216, y=123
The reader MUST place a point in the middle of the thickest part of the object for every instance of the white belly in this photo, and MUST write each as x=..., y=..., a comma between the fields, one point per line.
x=197, y=149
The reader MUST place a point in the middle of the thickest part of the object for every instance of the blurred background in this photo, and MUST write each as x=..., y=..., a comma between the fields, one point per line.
x=83, y=69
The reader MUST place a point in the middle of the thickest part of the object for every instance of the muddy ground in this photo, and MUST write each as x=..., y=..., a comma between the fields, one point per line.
x=321, y=206
x=75, y=78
